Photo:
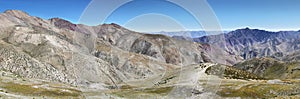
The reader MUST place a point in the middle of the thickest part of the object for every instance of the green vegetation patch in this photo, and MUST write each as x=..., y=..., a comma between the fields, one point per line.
x=231, y=73
x=30, y=90
x=135, y=93
x=259, y=91
x=162, y=90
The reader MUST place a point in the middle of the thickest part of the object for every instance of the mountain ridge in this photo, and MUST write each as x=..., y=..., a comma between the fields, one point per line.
x=251, y=43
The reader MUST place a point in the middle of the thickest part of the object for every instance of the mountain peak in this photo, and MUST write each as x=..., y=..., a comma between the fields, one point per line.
x=61, y=23
x=247, y=29
x=17, y=13
x=58, y=19
x=113, y=25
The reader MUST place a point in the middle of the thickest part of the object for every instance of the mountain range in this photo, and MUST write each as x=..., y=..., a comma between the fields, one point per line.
x=109, y=56
x=254, y=43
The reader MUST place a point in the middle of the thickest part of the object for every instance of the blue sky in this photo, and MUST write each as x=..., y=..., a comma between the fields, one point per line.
x=232, y=14
x=67, y=9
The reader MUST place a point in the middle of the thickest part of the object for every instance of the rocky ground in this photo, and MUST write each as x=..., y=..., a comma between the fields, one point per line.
x=188, y=82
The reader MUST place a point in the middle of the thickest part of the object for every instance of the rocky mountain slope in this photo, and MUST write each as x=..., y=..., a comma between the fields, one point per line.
x=270, y=68
x=253, y=43
x=92, y=56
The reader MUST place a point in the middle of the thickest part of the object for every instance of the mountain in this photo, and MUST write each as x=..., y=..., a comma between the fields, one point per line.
x=270, y=68
x=189, y=34
x=55, y=58
x=253, y=43
x=108, y=54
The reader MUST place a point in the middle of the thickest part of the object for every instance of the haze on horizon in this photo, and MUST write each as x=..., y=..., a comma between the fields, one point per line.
x=159, y=15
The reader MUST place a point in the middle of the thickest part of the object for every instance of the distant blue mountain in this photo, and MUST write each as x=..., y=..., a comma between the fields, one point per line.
x=255, y=43
x=189, y=34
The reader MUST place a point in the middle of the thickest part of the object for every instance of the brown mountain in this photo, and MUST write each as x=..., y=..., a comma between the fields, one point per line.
x=108, y=54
